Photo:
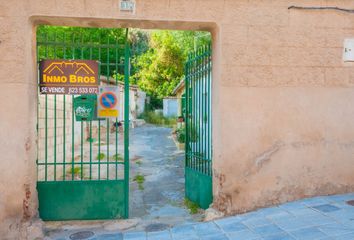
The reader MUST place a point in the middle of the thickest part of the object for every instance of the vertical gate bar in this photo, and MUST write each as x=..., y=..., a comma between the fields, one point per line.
x=192, y=112
x=55, y=118
x=207, y=93
x=99, y=147
x=205, y=116
x=186, y=79
x=72, y=46
x=195, y=109
x=81, y=47
x=210, y=113
x=108, y=81
x=200, y=54
x=55, y=137
x=64, y=117
x=99, y=120
x=72, y=138
x=64, y=135
x=82, y=122
x=90, y=41
x=107, y=167
x=116, y=127
x=126, y=123
x=202, y=110
x=90, y=149
x=200, y=162
x=46, y=123
x=82, y=149
x=46, y=138
x=206, y=109
x=72, y=117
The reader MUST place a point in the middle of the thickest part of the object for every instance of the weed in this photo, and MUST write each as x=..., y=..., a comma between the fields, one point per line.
x=158, y=119
x=118, y=157
x=181, y=134
x=139, y=179
x=100, y=156
x=76, y=171
x=193, y=207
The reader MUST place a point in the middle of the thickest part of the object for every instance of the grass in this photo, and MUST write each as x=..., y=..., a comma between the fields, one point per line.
x=139, y=179
x=76, y=171
x=100, y=156
x=158, y=119
x=193, y=207
x=118, y=157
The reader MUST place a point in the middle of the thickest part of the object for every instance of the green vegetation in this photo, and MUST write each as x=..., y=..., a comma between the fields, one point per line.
x=193, y=207
x=100, y=156
x=157, y=118
x=76, y=171
x=181, y=135
x=139, y=179
x=158, y=57
x=138, y=162
x=118, y=157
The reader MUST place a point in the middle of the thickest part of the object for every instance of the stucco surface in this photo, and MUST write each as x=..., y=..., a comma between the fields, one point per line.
x=282, y=96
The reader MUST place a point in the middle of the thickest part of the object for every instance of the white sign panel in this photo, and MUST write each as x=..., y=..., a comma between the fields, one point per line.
x=108, y=102
x=348, y=53
x=127, y=6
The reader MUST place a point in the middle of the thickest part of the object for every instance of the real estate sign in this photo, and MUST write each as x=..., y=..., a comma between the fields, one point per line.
x=71, y=77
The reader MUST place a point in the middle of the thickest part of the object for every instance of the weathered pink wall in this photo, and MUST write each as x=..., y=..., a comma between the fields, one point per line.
x=282, y=105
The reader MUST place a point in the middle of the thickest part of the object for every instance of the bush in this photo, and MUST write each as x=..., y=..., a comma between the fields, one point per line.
x=158, y=118
x=181, y=135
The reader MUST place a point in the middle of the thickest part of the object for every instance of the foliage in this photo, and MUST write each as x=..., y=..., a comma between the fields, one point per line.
x=117, y=157
x=193, y=133
x=193, y=207
x=93, y=36
x=76, y=171
x=139, y=179
x=100, y=156
x=158, y=118
x=158, y=56
x=161, y=68
x=181, y=135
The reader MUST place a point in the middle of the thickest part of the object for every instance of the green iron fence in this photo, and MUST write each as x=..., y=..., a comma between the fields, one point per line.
x=199, y=127
x=83, y=166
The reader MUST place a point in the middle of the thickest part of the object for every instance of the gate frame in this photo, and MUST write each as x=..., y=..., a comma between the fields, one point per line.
x=129, y=22
x=63, y=199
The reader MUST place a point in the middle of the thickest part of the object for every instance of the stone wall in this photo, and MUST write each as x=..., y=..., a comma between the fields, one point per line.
x=282, y=96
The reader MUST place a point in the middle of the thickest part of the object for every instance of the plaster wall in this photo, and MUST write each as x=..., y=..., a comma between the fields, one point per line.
x=282, y=96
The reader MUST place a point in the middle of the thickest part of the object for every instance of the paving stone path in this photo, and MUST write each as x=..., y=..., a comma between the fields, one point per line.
x=319, y=218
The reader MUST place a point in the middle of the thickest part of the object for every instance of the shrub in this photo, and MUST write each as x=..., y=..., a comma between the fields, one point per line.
x=181, y=135
x=158, y=119
x=100, y=156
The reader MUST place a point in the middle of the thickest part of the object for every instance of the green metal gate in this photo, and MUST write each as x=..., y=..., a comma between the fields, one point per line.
x=198, y=172
x=83, y=166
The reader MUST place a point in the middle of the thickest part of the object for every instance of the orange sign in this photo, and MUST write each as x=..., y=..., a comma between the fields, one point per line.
x=68, y=77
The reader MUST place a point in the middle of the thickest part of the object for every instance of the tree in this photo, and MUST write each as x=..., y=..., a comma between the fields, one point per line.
x=160, y=69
